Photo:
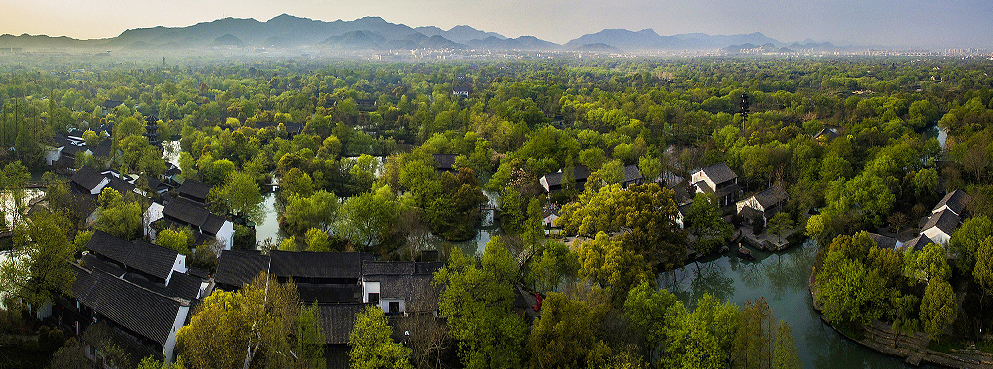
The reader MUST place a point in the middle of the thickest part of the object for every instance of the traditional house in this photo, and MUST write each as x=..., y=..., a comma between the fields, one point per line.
x=444, y=163
x=186, y=213
x=461, y=92
x=554, y=182
x=954, y=201
x=400, y=287
x=135, y=294
x=632, y=176
x=88, y=181
x=337, y=269
x=148, y=317
x=291, y=129
x=763, y=205
x=682, y=212
x=827, y=134
x=885, y=242
x=718, y=180
x=195, y=191
x=917, y=243
x=940, y=226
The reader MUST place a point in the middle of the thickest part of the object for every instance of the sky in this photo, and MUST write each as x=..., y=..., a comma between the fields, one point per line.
x=894, y=23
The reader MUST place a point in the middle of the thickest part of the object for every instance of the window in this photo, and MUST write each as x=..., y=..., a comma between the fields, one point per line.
x=394, y=307
x=374, y=298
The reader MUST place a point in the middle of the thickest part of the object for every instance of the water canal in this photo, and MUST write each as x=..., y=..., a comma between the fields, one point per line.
x=780, y=278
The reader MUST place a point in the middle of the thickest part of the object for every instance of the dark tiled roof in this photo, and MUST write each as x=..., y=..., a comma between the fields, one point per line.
x=140, y=310
x=631, y=173
x=305, y=264
x=945, y=220
x=726, y=190
x=140, y=255
x=827, y=132
x=112, y=103
x=238, y=267
x=918, y=243
x=101, y=335
x=955, y=201
x=579, y=173
x=719, y=173
x=370, y=268
x=87, y=178
x=883, y=242
x=771, y=196
x=444, y=161
x=329, y=293
x=102, y=150
x=338, y=320
x=194, y=214
x=194, y=189
x=122, y=186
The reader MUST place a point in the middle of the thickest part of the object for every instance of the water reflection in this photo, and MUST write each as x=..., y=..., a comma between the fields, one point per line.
x=782, y=280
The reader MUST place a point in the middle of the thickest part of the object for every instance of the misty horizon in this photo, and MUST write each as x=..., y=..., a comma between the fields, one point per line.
x=913, y=24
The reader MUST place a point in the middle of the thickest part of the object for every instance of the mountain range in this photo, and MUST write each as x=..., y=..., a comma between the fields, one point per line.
x=375, y=33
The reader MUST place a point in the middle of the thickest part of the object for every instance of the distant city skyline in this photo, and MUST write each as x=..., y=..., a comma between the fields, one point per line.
x=893, y=23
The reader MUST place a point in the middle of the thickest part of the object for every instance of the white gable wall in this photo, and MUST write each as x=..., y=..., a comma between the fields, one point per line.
x=177, y=324
x=937, y=235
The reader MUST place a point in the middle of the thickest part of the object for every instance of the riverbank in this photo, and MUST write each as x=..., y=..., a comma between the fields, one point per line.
x=913, y=348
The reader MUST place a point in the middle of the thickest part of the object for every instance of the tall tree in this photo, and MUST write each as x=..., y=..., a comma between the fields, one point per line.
x=478, y=298
x=38, y=268
x=257, y=324
x=371, y=345
x=786, y=356
x=937, y=307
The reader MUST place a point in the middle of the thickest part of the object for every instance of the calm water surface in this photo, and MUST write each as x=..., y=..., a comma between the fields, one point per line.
x=782, y=280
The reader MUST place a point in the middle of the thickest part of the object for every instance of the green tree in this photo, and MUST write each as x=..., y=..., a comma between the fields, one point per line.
x=38, y=268
x=12, y=179
x=262, y=317
x=178, y=240
x=965, y=242
x=119, y=216
x=318, y=240
x=930, y=263
x=310, y=339
x=319, y=211
x=371, y=345
x=780, y=223
x=369, y=218
x=564, y=333
x=849, y=291
x=478, y=299
x=785, y=356
x=983, y=272
x=937, y=307
x=754, y=340
x=240, y=195
x=707, y=224
x=607, y=263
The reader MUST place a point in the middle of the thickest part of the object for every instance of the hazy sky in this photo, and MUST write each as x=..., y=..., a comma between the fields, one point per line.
x=929, y=23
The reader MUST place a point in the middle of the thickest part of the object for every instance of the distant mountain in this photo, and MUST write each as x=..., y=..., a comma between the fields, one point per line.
x=645, y=39
x=375, y=33
x=599, y=48
x=705, y=41
x=520, y=43
x=459, y=34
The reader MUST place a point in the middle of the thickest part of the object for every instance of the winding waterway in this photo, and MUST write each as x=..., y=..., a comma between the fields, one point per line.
x=780, y=278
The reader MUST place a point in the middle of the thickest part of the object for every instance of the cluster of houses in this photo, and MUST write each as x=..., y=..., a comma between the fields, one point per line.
x=937, y=227
x=342, y=284
x=136, y=295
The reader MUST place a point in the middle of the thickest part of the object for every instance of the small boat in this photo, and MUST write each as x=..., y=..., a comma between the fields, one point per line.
x=744, y=253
